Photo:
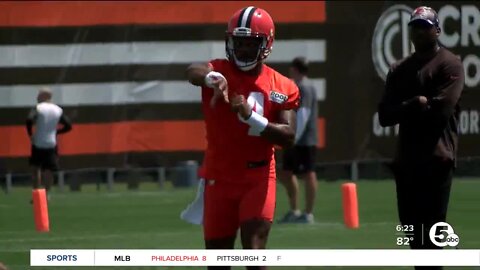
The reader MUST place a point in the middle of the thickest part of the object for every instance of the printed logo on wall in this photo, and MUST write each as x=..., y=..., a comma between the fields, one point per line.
x=390, y=41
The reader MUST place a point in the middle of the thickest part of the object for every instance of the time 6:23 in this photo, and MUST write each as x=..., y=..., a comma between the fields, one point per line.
x=404, y=228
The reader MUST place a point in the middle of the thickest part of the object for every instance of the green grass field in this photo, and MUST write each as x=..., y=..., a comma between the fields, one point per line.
x=149, y=219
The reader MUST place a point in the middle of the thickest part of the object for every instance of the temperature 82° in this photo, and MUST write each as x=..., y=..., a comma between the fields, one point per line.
x=404, y=241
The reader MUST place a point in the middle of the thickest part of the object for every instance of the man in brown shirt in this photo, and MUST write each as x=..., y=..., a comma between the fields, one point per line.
x=421, y=94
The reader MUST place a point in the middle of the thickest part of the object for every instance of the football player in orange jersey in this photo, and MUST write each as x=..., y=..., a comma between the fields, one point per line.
x=248, y=108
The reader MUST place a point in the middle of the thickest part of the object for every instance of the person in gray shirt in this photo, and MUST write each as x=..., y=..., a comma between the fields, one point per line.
x=300, y=160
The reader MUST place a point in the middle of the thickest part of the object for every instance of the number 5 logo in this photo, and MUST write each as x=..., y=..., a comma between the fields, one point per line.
x=442, y=235
x=256, y=100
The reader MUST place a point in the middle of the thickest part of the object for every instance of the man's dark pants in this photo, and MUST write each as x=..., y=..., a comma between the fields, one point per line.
x=423, y=192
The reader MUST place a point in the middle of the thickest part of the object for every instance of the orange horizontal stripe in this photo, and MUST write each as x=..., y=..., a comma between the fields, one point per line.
x=113, y=138
x=131, y=136
x=76, y=13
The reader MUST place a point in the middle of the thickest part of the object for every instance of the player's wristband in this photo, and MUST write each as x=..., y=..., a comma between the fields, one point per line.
x=255, y=121
x=211, y=77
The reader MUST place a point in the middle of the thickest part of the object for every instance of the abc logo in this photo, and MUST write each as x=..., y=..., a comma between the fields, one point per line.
x=442, y=235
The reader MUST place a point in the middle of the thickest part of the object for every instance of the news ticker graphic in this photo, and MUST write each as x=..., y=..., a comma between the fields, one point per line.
x=441, y=234
x=271, y=257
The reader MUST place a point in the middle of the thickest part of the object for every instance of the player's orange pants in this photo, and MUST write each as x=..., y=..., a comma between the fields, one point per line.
x=228, y=204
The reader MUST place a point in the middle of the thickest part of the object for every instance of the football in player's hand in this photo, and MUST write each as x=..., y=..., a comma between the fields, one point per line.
x=240, y=105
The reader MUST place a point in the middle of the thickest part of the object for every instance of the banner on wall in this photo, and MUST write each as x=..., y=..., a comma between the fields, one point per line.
x=118, y=71
x=364, y=40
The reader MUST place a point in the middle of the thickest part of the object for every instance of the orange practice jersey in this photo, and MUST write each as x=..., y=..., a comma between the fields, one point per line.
x=232, y=147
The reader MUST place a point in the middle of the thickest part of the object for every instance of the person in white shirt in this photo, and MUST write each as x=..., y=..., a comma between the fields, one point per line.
x=44, y=156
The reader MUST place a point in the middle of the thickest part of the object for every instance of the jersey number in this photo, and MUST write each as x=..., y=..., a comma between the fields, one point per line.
x=256, y=100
